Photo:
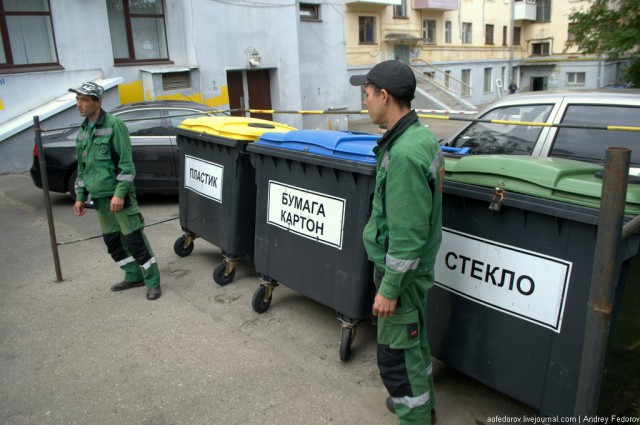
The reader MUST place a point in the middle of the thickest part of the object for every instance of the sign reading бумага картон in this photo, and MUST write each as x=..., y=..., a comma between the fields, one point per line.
x=203, y=177
x=522, y=283
x=309, y=214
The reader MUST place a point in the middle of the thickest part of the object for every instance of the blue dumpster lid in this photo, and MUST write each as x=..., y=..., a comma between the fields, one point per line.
x=333, y=143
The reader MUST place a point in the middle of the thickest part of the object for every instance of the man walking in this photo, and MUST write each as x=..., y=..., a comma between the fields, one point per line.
x=402, y=238
x=106, y=171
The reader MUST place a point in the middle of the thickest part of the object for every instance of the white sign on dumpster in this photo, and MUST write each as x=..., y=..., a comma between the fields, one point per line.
x=309, y=214
x=522, y=283
x=203, y=177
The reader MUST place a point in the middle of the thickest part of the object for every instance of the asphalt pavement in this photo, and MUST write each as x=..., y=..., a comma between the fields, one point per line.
x=73, y=352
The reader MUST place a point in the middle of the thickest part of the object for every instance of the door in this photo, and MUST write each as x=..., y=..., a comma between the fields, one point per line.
x=538, y=83
x=402, y=52
x=258, y=92
x=236, y=92
x=258, y=83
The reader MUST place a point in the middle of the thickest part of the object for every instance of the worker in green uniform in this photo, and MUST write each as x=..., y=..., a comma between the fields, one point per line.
x=402, y=238
x=106, y=171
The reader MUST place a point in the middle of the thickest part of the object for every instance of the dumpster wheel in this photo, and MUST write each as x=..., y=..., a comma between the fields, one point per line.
x=224, y=272
x=346, y=338
x=183, y=246
x=262, y=297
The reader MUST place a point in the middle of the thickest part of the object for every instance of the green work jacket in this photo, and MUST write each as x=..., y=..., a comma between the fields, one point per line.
x=105, y=161
x=403, y=234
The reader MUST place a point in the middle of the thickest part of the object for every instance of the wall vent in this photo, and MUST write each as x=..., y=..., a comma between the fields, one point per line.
x=176, y=80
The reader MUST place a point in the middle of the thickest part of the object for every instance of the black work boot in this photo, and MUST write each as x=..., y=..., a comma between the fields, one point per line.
x=123, y=286
x=154, y=293
x=392, y=409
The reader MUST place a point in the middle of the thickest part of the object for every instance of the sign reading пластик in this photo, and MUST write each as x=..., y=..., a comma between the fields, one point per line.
x=203, y=177
x=309, y=214
x=519, y=282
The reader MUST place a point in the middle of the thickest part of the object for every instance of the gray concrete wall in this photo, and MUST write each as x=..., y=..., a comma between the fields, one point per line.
x=16, y=152
x=306, y=60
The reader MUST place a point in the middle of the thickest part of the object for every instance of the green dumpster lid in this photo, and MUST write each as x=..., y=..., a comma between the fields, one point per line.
x=560, y=179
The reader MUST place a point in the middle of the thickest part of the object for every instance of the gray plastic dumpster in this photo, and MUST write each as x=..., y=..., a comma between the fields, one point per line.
x=513, y=280
x=314, y=189
x=217, y=186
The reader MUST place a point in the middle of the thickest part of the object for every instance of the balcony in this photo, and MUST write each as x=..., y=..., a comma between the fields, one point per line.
x=524, y=10
x=436, y=4
x=380, y=2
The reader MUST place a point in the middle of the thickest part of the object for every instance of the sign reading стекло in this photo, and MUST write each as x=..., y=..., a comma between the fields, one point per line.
x=309, y=214
x=203, y=177
x=522, y=283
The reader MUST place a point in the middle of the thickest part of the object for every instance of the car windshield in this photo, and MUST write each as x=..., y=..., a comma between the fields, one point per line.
x=590, y=144
x=513, y=139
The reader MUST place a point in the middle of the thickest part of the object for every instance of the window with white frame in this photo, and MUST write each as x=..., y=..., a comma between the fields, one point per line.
x=488, y=34
x=429, y=31
x=447, y=79
x=366, y=29
x=488, y=76
x=137, y=30
x=466, y=33
x=309, y=12
x=26, y=34
x=517, y=33
x=400, y=10
x=466, y=82
x=540, y=49
x=447, y=32
x=571, y=37
x=543, y=11
x=576, y=78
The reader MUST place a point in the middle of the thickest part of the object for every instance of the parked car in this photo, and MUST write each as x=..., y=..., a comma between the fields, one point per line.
x=588, y=108
x=152, y=127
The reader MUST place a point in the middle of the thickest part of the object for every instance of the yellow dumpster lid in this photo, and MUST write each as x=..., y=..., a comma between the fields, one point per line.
x=236, y=128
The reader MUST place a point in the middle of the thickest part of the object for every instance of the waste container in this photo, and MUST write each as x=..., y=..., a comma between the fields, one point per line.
x=314, y=189
x=217, y=186
x=513, y=280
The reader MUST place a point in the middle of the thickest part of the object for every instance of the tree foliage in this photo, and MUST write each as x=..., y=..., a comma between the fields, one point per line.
x=610, y=27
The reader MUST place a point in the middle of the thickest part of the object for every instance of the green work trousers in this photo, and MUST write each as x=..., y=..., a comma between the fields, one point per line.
x=124, y=236
x=404, y=356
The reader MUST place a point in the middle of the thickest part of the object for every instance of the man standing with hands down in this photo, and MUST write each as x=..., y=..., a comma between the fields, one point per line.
x=106, y=171
x=402, y=238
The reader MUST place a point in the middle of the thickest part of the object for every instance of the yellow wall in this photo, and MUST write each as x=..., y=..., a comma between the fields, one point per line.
x=133, y=92
x=478, y=12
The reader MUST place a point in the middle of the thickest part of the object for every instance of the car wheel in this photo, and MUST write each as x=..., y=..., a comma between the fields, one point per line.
x=72, y=184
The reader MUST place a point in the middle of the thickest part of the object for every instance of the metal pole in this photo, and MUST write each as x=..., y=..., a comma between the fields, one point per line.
x=630, y=228
x=606, y=268
x=47, y=200
x=512, y=29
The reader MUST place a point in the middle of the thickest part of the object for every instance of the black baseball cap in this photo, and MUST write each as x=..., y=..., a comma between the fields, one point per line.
x=89, y=89
x=393, y=75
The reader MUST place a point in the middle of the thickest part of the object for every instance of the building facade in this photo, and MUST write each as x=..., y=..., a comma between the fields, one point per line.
x=284, y=55
x=276, y=54
x=474, y=48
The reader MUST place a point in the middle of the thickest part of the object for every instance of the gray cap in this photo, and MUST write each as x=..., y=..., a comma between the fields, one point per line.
x=89, y=89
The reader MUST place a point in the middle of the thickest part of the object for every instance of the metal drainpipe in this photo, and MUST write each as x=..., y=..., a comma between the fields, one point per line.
x=510, y=76
x=606, y=269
